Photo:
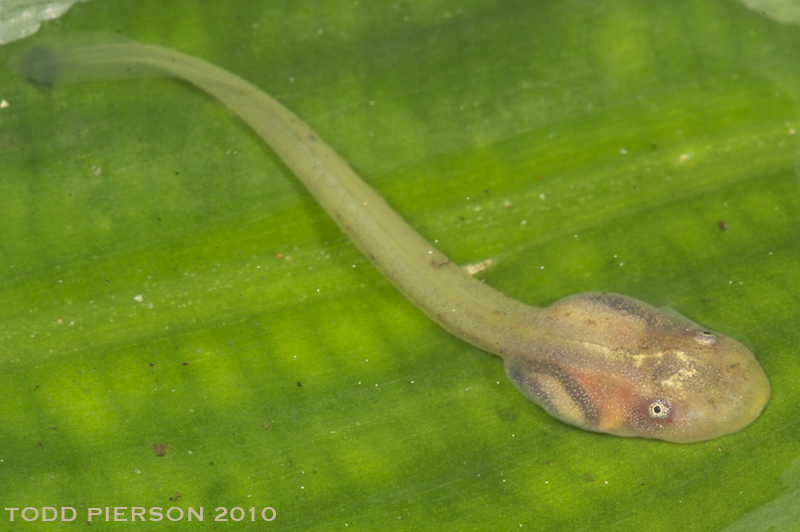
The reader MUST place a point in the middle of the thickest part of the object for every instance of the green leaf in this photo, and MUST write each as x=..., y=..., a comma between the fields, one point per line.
x=183, y=326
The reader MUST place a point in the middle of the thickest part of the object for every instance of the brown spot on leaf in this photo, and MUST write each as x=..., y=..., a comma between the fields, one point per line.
x=722, y=225
x=160, y=447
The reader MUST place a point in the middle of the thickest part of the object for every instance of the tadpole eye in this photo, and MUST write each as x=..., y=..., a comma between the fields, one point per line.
x=705, y=338
x=659, y=409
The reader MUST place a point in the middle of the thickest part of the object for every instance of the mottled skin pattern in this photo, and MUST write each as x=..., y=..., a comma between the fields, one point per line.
x=598, y=361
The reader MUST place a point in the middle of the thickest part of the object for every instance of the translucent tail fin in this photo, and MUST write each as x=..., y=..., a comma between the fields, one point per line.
x=85, y=57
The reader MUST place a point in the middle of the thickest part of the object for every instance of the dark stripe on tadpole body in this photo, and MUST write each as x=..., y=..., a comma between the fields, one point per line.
x=527, y=372
x=620, y=304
